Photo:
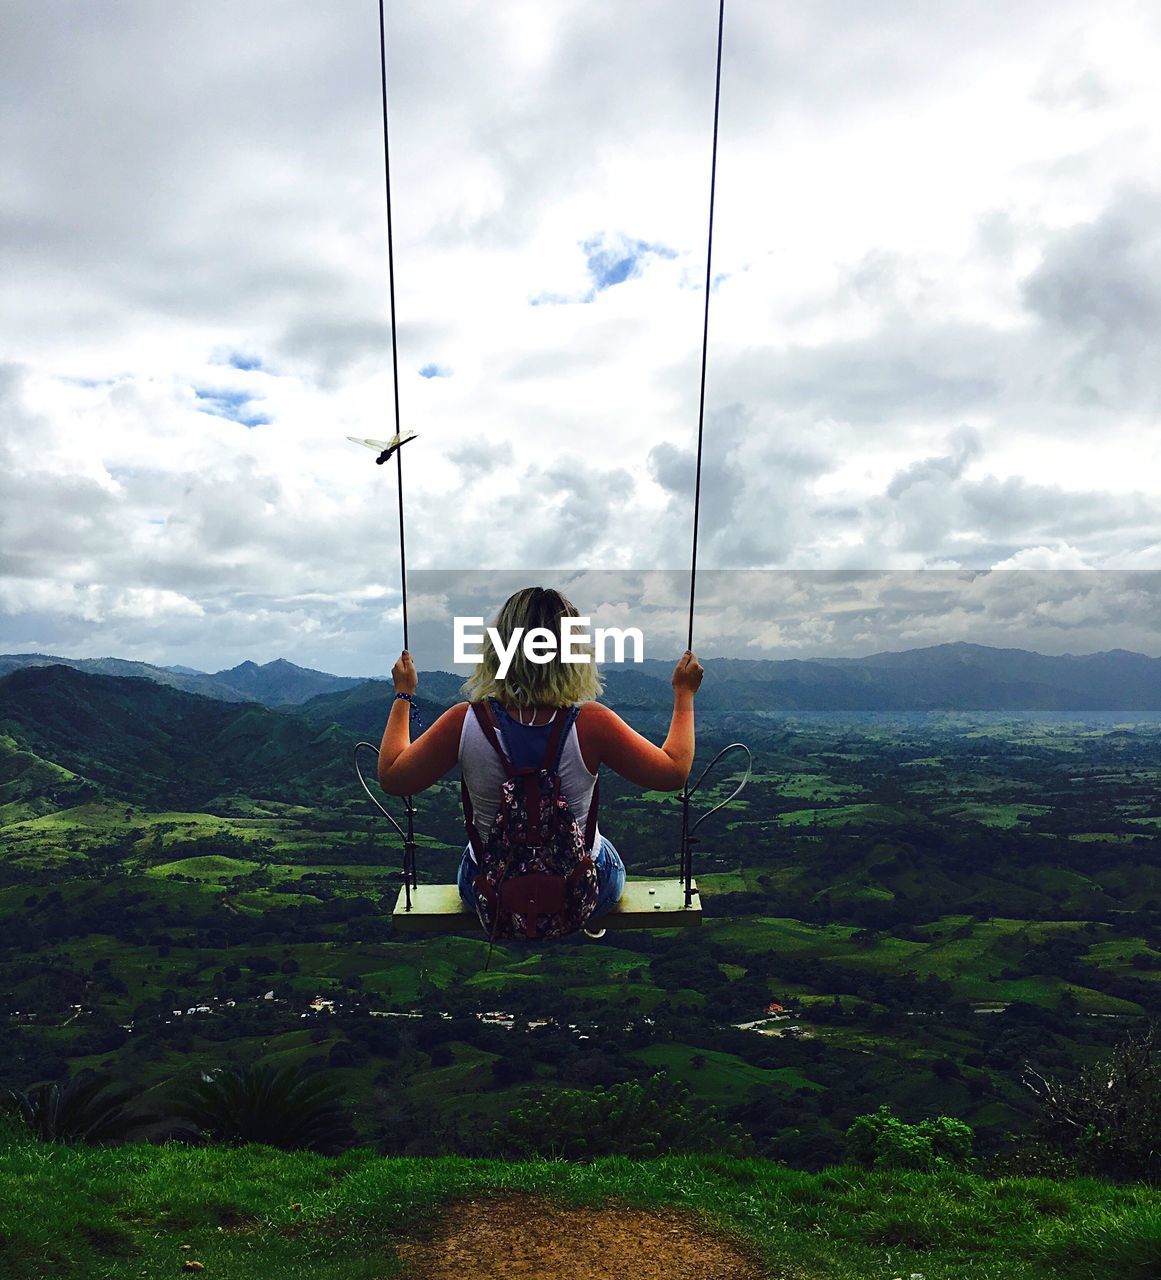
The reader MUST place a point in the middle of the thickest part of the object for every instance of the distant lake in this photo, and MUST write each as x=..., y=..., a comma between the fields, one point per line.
x=949, y=719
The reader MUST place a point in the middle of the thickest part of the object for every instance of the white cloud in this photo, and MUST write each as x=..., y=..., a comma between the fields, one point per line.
x=1059, y=557
x=931, y=340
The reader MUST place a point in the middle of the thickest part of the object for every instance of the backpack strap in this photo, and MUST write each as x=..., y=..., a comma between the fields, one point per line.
x=484, y=718
x=552, y=757
x=487, y=723
x=556, y=739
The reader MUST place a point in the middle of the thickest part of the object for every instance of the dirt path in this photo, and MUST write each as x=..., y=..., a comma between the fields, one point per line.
x=520, y=1237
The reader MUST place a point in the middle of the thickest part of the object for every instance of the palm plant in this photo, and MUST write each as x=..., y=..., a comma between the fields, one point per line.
x=86, y=1107
x=279, y=1106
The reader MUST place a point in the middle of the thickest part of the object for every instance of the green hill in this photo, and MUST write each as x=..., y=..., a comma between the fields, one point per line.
x=30, y=785
x=145, y=742
x=363, y=709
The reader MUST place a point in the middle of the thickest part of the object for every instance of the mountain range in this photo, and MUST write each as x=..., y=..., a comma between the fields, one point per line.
x=151, y=735
x=274, y=684
x=946, y=677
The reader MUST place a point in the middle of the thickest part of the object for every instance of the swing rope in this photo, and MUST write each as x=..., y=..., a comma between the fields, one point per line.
x=391, y=291
x=709, y=255
x=687, y=836
x=409, y=876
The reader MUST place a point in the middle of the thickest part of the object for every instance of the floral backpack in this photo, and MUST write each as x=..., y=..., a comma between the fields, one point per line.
x=536, y=878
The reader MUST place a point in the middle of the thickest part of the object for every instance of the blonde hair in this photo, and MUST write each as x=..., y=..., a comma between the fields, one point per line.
x=532, y=684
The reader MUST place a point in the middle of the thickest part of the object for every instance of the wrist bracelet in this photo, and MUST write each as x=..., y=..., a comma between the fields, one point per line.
x=414, y=714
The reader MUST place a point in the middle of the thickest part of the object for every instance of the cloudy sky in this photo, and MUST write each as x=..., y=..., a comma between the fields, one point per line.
x=934, y=329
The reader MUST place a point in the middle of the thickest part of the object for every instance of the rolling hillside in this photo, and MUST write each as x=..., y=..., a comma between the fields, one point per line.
x=141, y=741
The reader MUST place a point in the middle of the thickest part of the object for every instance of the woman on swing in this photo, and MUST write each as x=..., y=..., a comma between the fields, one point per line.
x=519, y=714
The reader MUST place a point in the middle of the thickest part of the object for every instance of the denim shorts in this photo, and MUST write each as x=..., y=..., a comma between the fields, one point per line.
x=610, y=877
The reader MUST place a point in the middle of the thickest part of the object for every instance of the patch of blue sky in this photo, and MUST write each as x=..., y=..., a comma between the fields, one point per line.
x=231, y=405
x=240, y=360
x=694, y=279
x=561, y=299
x=611, y=260
x=435, y=371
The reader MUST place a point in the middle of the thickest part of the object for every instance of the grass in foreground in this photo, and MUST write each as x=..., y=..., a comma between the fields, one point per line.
x=252, y=1212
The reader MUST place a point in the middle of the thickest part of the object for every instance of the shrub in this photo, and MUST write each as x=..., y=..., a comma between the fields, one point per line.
x=881, y=1140
x=656, y=1118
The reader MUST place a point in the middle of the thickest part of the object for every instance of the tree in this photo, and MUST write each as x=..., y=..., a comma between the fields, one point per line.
x=1109, y=1119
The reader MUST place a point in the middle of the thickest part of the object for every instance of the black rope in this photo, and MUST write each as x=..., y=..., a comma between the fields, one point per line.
x=409, y=876
x=687, y=839
x=391, y=290
x=709, y=254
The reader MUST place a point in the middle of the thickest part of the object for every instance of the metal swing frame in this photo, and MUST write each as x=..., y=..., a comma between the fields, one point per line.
x=645, y=904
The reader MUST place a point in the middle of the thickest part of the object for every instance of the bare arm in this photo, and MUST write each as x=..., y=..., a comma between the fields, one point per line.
x=634, y=757
x=406, y=767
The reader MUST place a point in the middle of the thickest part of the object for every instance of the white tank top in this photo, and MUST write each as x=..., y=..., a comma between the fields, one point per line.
x=484, y=775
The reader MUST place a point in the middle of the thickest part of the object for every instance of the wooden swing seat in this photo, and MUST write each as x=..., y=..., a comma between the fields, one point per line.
x=645, y=904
